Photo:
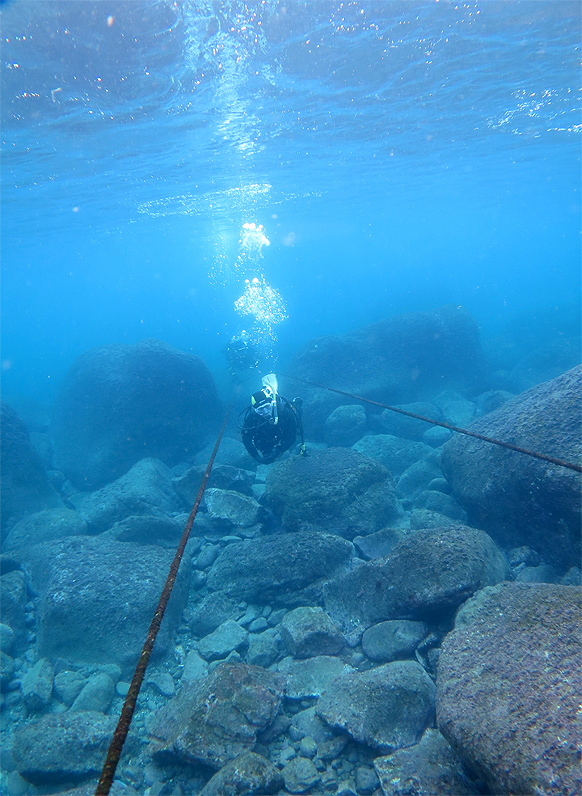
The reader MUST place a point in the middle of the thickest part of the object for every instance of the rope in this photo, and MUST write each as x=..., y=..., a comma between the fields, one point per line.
x=120, y=734
x=509, y=445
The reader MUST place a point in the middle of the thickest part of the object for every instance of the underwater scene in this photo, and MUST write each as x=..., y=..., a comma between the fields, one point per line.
x=291, y=421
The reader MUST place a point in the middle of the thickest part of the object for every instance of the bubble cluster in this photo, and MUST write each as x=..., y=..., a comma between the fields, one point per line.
x=263, y=302
x=259, y=300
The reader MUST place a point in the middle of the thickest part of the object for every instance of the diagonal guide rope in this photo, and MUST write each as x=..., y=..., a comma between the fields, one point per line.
x=120, y=734
x=544, y=457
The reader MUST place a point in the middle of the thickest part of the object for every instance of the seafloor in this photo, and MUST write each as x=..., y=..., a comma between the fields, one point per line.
x=396, y=613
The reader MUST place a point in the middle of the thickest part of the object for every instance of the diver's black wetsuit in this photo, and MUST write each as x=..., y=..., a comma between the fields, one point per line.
x=266, y=440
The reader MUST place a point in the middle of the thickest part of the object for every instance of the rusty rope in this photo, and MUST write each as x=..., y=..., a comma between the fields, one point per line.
x=120, y=734
x=544, y=457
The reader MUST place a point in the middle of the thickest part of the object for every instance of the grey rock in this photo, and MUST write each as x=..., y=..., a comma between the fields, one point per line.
x=286, y=569
x=379, y=544
x=43, y=526
x=428, y=573
x=385, y=708
x=396, y=638
x=121, y=402
x=308, y=747
x=435, y=436
x=214, y=609
x=439, y=485
x=490, y=401
x=332, y=749
x=248, y=774
x=345, y=425
x=519, y=645
x=573, y=577
x=37, y=685
x=208, y=556
x=195, y=667
x=228, y=637
x=446, y=397
x=434, y=500
x=425, y=518
x=68, y=685
x=299, y=775
x=309, y=631
x=263, y=648
x=98, y=596
x=311, y=677
x=6, y=669
x=258, y=625
x=366, y=780
x=430, y=766
x=215, y=720
x=146, y=489
x=416, y=478
x=519, y=499
x=346, y=788
x=523, y=555
x=122, y=689
x=543, y=573
x=163, y=683
x=396, y=360
x=25, y=486
x=222, y=476
x=409, y=427
x=147, y=529
x=459, y=413
x=6, y=638
x=337, y=490
x=307, y=723
x=232, y=508
x=96, y=696
x=60, y=748
x=231, y=452
x=395, y=453
x=15, y=784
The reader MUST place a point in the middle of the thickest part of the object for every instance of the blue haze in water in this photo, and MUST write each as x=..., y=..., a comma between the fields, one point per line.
x=398, y=155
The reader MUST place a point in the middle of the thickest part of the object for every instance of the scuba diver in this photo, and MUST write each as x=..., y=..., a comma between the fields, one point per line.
x=271, y=423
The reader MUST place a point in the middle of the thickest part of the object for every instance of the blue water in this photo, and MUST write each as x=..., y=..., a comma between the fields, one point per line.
x=399, y=155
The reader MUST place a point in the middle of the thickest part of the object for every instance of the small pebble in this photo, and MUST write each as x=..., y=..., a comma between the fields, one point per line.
x=307, y=747
x=258, y=625
x=287, y=753
x=121, y=689
x=163, y=683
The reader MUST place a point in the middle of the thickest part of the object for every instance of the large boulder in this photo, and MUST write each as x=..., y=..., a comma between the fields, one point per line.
x=13, y=600
x=395, y=453
x=337, y=490
x=248, y=773
x=516, y=498
x=42, y=526
x=98, y=596
x=119, y=403
x=398, y=360
x=428, y=574
x=286, y=569
x=429, y=767
x=508, y=688
x=216, y=719
x=25, y=487
x=146, y=490
x=62, y=748
x=386, y=708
